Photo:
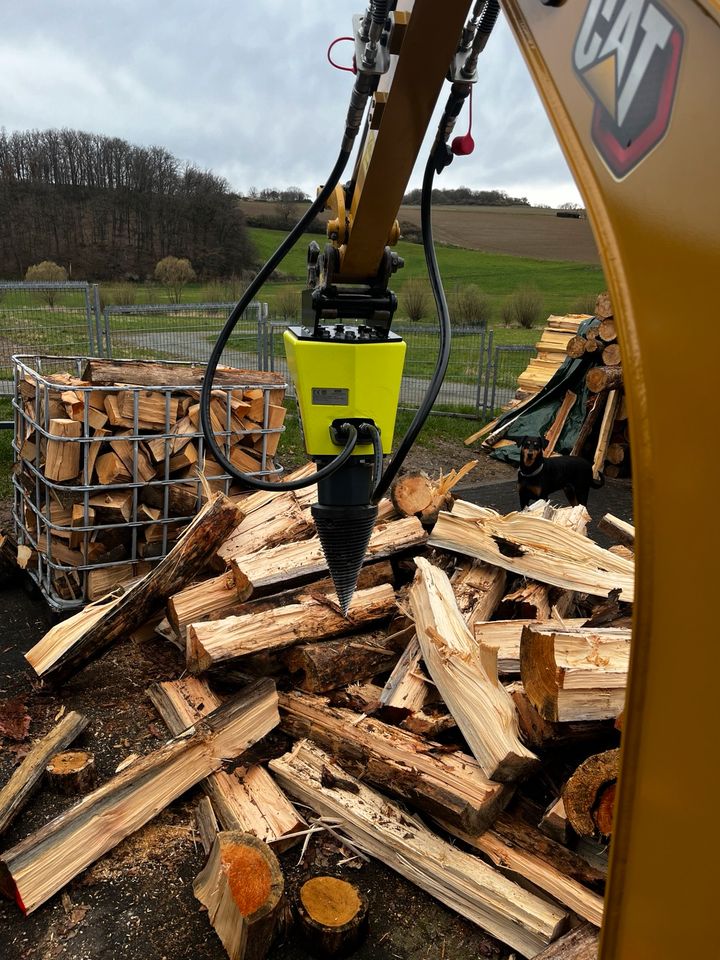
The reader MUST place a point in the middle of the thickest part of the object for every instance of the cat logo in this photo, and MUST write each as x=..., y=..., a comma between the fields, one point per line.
x=627, y=54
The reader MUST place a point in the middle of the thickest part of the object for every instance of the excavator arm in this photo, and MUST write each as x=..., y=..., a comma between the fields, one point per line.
x=631, y=88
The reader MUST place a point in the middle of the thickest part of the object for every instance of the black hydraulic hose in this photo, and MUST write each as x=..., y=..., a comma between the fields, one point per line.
x=377, y=452
x=206, y=392
x=489, y=17
x=444, y=323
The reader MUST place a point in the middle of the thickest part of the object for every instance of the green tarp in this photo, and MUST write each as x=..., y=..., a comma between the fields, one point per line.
x=537, y=417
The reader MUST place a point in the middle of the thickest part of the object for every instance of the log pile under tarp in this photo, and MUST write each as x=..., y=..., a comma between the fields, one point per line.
x=578, y=405
x=466, y=705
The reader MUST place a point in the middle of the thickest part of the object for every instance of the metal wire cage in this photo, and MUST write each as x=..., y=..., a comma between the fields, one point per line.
x=85, y=531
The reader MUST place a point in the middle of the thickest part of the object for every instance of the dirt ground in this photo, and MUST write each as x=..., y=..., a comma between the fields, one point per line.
x=137, y=901
x=519, y=231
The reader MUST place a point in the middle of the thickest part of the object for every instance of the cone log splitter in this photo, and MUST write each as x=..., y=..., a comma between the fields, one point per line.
x=345, y=361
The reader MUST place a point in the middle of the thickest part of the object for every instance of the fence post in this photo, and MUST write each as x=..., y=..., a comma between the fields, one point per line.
x=496, y=363
x=481, y=354
x=488, y=370
x=98, y=318
x=108, y=340
x=88, y=320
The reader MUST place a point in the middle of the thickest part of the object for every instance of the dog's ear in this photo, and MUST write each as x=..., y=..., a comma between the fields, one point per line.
x=545, y=442
x=521, y=441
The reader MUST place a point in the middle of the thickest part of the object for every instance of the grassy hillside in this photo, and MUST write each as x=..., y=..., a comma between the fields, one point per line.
x=561, y=283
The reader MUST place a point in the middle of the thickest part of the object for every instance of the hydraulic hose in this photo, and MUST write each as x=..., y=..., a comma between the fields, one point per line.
x=240, y=307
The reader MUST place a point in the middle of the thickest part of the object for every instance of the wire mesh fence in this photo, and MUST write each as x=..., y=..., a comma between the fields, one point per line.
x=184, y=331
x=480, y=376
x=66, y=319
x=52, y=318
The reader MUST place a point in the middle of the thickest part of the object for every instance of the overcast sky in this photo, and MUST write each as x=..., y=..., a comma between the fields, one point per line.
x=244, y=89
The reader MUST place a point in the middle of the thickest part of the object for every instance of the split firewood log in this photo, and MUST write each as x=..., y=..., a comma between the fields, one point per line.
x=332, y=914
x=70, y=645
x=589, y=795
x=467, y=677
x=577, y=674
x=448, y=785
x=242, y=888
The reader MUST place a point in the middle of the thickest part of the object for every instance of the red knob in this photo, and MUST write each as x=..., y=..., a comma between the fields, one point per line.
x=462, y=146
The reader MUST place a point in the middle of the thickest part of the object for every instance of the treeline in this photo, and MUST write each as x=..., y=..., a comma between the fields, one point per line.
x=286, y=195
x=106, y=209
x=464, y=195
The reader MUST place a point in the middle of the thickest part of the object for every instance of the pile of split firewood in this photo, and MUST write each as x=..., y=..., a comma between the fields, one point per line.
x=478, y=649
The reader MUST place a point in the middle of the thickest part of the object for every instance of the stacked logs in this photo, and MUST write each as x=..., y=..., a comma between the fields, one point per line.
x=604, y=436
x=108, y=461
x=473, y=670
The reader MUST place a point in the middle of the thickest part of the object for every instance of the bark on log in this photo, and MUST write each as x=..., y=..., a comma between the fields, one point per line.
x=314, y=618
x=611, y=355
x=542, y=735
x=245, y=800
x=332, y=915
x=466, y=678
x=564, y=559
x=16, y=792
x=520, y=850
x=207, y=824
x=64, y=650
x=600, y=379
x=582, y=943
x=39, y=866
x=589, y=795
x=148, y=373
x=576, y=346
x=71, y=772
x=594, y=405
x=450, y=786
x=577, y=674
x=242, y=888
x=182, y=498
x=319, y=667
x=619, y=530
x=386, y=831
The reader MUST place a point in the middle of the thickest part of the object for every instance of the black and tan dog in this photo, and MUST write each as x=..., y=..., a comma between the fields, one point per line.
x=538, y=477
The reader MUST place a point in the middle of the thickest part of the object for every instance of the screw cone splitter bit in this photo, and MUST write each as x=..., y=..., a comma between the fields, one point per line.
x=344, y=533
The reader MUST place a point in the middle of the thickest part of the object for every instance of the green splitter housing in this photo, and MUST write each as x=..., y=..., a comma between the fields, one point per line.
x=345, y=373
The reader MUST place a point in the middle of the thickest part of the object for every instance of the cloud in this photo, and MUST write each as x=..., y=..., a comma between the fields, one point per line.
x=246, y=90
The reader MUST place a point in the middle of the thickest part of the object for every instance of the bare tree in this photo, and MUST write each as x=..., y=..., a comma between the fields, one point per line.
x=48, y=272
x=174, y=273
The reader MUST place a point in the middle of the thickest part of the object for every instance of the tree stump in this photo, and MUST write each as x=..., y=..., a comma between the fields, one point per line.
x=72, y=772
x=332, y=915
x=242, y=888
